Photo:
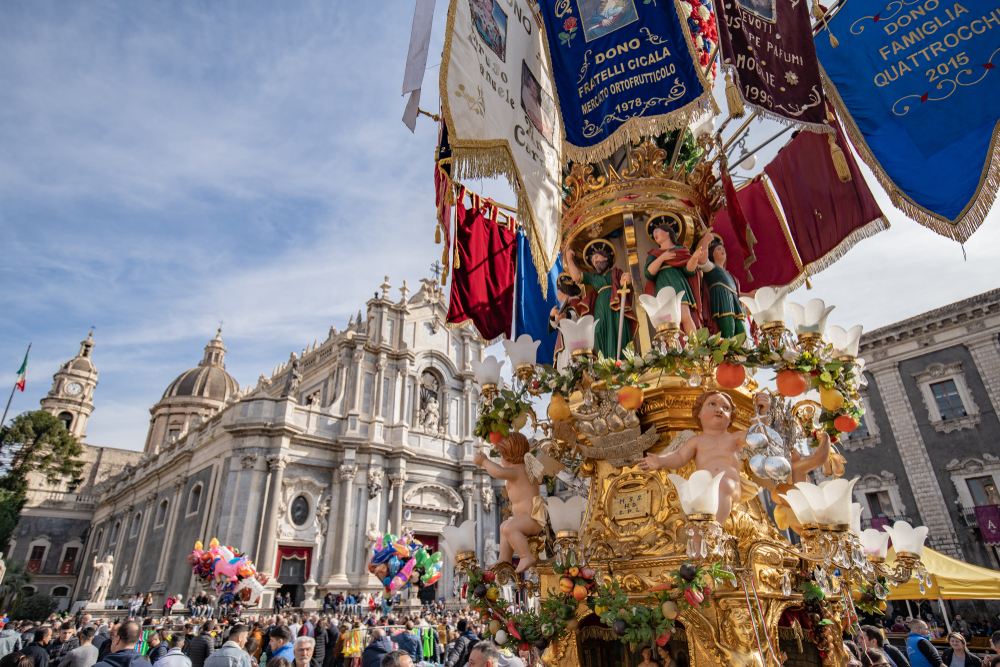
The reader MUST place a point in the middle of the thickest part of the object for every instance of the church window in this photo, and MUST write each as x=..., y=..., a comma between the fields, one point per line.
x=114, y=532
x=390, y=330
x=67, y=419
x=36, y=558
x=97, y=542
x=879, y=503
x=135, y=524
x=60, y=592
x=366, y=401
x=386, y=391
x=984, y=491
x=173, y=433
x=194, y=500
x=300, y=511
x=948, y=400
x=161, y=513
x=69, y=559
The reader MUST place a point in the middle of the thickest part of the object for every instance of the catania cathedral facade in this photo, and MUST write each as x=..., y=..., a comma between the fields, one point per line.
x=368, y=432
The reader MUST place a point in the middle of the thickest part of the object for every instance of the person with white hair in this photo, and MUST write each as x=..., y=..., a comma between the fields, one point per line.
x=303, y=648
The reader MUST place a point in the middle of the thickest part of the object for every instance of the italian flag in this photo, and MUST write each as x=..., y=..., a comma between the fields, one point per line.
x=22, y=374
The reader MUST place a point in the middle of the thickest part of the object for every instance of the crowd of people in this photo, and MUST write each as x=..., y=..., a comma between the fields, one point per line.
x=871, y=648
x=344, y=634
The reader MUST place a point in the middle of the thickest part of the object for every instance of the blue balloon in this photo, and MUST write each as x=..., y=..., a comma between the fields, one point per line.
x=387, y=581
x=394, y=565
x=383, y=555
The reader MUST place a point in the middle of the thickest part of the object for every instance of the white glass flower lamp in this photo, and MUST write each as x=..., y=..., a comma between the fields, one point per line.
x=522, y=355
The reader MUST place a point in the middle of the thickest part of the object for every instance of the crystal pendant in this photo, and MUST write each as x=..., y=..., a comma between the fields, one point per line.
x=927, y=579
x=923, y=591
x=704, y=547
x=880, y=592
x=786, y=585
x=692, y=551
x=695, y=380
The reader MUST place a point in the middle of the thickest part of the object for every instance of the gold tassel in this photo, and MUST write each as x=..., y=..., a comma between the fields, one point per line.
x=839, y=160
x=733, y=98
x=444, y=256
x=437, y=233
x=808, y=284
x=817, y=10
x=833, y=40
x=444, y=277
x=458, y=261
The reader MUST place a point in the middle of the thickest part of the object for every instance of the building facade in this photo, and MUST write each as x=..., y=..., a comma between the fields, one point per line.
x=929, y=439
x=369, y=431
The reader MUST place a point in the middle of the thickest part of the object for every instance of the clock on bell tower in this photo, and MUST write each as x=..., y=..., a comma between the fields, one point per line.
x=72, y=395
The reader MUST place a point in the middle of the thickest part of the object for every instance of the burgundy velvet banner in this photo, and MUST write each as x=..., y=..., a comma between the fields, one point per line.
x=988, y=517
x=482, y=280
x=825, y=215
x=770, y=47
x=776, y=264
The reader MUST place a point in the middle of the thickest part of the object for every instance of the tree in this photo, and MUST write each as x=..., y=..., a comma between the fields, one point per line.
x=35, y=607
x=15, y=579
x=35, y=441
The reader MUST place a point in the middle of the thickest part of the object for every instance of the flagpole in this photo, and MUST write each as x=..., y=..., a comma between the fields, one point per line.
x=12, y=390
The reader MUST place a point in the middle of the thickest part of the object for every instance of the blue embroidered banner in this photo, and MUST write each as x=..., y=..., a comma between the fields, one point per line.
x=532, y=310
x=622, y=69
x=917, y=89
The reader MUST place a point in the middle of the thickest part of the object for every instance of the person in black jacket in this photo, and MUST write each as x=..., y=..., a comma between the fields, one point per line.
x=332, y=635
x=201, y=646
x=157, y=647
x=319, y=650
x=123, y=653
x=37, y=650
x=957, y=646
x=458, y=654
x=872, y=637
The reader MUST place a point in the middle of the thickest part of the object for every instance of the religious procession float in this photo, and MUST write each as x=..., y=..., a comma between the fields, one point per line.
x=642, y=290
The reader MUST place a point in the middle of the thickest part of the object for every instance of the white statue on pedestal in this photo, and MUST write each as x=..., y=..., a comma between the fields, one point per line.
x=491, y=550
x=102, y=580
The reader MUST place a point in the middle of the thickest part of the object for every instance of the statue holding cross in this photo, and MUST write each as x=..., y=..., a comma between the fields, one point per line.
x=612, y=297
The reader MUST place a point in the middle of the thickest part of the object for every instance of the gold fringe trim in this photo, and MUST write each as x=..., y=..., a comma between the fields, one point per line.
x=974, y=213
x=764, y=112
x=472, y=158
x=733, y=98
x=634, y=129
x=479, y=336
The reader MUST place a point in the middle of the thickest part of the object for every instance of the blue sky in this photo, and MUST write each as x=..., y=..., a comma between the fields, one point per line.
x=167, y=165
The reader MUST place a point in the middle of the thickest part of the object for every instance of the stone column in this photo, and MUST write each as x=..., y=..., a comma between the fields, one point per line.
x=161, y=570
x=379, y=374
x=398, y=481
x=987, y=358
x=331, y=539
x=466, y=490
x=146, y=519
x=347, y=473
x=277, y=463
x=913, y=452
x=359, y=379
x=399, y=388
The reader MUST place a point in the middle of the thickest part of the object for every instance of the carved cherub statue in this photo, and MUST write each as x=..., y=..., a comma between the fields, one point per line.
x=783, y=515
x=715, y=449
x=527, y=506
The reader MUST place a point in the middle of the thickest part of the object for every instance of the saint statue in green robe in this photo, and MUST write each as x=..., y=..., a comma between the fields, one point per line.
x=604, y=300
x=723, y=292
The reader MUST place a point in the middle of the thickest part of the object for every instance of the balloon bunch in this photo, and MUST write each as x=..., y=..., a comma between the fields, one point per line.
x=403, y=562
x=228, y=571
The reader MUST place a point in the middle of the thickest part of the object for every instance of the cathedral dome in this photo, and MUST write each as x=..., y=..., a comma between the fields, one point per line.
x=208, y=379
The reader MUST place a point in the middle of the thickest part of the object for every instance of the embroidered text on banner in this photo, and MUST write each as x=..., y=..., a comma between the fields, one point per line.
x=623, y=69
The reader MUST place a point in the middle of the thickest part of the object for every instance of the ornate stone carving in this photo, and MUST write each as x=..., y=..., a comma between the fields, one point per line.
x=277, y=461
x=180, y=484
x=248, y=461
x=466, y=491
x=398, y=479
x=375, y=476
x=487, y=495
x=347, y=472
x=150, y=499
x=430, y=496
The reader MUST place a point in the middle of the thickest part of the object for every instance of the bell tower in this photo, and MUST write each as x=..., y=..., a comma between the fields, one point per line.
x=72, y=395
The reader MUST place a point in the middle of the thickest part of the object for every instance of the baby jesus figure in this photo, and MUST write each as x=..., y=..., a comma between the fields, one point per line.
x=528, y=513
x=715, y=449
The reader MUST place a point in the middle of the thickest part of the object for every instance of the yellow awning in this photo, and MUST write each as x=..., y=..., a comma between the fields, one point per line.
x=952, y=579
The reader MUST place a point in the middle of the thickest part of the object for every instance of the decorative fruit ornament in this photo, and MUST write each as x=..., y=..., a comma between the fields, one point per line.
x=566, y=585
x=572, y=624
x=663, y=639
x=730, y=376
x=831, y=399
x=630, y=397
x=496, y=436
x=579, y=593
x=620, y=627
x=669, y=609
x=495, y=627
x=558, y=408
x=500, y=636
x=792, y=383
x=493, y=593
x=688, y=572
x=519, y=421
x=845, y=423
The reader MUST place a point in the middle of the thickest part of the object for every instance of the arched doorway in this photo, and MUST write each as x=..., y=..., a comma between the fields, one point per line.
x=292, y=570
x=427, y=594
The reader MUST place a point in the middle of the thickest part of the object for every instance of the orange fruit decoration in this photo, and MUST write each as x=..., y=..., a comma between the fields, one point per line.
x=630, y=397
x=845, y=423
x=496, y=436
x=792, y=383
x=730, y=376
